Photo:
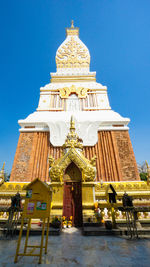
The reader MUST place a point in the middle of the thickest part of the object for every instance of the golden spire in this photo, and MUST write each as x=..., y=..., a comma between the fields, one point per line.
x=72, y=30
x=72, y=124
x=72, y=139
x=72, y=24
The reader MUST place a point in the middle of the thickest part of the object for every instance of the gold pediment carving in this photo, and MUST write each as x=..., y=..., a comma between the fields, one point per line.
x=73, y=54
x=66, y=91
x=59, y=166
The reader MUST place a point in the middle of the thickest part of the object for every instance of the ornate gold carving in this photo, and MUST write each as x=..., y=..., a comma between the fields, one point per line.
x=72, y=54
x=88, y=173
x=93, y=161
x=136, y=189
x=72, y=139
x=10, y=187
x=18, y=187
x=72, y=155
x=3, y=187
x=66, y=91
x=56, y=173
x=50, y=160
x=118, y=186
x=143, y=186
x=121, y=187
x=72, y=30
x=129, y=186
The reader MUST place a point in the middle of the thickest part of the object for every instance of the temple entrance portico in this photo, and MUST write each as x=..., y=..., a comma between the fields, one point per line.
x=72, y=176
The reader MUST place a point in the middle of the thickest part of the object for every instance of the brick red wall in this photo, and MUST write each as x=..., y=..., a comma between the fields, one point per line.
x=115, y=157
x=126, y=155
x=31, y=156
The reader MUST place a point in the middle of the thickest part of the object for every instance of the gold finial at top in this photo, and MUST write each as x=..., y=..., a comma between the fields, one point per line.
x=72, y=30
x=72, y=123
x=72, y=24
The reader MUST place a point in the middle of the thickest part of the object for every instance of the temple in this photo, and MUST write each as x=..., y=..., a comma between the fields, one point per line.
x=73, y=90
x=74, y=140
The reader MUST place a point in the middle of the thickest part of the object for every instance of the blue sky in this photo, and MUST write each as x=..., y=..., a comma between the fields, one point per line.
x=117, y=34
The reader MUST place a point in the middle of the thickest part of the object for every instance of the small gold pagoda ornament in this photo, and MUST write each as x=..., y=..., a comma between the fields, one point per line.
x=72, y=152
x=2, y=176
x=73, y=139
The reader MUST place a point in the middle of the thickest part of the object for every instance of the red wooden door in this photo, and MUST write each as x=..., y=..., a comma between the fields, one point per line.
x=77, y=203
x=72, y=202
x=67, y=201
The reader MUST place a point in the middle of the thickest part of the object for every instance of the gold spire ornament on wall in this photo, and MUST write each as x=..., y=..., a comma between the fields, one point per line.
x=72, y=139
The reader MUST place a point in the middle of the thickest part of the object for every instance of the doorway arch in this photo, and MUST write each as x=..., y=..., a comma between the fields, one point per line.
x=72, y=197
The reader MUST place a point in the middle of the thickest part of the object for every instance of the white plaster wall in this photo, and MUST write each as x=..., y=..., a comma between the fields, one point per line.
x=44, y=102
x=87, y=124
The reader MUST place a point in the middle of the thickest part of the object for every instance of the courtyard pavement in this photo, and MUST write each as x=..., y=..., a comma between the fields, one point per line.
x=73, y=249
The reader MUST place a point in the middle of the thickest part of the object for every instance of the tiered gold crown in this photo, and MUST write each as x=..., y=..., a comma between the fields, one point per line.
x=72, y=53
x=73, y=139
x=72, y=30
